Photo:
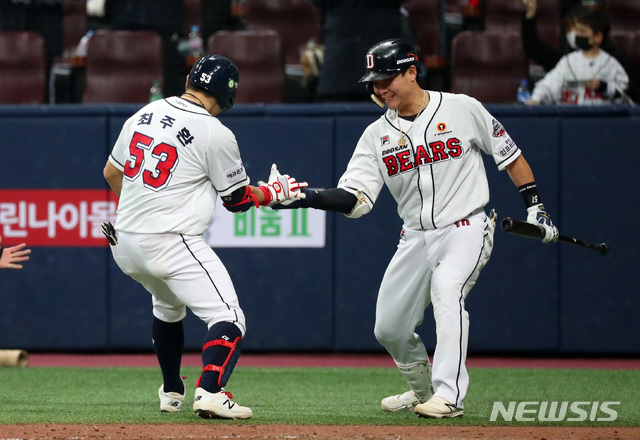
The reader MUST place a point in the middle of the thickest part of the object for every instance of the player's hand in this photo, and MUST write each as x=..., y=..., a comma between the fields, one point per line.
x=9, y=257
x=537, y=215
x=283, y=188
x=593, y=84
x=110, y=232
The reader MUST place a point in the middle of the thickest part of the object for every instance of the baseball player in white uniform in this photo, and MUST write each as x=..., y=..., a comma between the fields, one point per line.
x=588, y=76
x=427, y=149
x=171, y=160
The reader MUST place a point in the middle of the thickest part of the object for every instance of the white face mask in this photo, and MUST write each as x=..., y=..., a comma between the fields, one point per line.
x=571, y=39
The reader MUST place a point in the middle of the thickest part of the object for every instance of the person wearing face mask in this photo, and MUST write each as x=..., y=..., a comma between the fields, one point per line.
x=547, y=56
x=587, y=76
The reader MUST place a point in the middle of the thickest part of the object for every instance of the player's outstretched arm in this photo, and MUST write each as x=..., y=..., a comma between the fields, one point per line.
x=333, y=199
x=11, y=256
x=281, y=189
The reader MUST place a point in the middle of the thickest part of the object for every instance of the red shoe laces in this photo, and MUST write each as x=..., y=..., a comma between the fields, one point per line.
x=228, y=394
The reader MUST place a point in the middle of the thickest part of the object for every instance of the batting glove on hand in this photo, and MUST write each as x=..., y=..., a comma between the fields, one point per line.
x=536, y=215
x=283, y=188
x=110, y=232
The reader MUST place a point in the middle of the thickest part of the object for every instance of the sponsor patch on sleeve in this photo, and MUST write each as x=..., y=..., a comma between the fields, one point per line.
x=498, y=129
x=235, y=174
x=508, y=148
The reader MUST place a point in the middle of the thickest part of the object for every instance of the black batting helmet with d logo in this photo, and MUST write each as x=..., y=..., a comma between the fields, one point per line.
x=389, y=57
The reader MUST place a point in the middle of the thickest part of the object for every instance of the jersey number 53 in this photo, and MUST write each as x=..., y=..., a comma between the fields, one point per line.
x=156, y=175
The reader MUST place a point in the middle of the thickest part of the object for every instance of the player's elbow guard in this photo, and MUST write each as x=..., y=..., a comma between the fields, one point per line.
x=362, y=207
x=240, y=200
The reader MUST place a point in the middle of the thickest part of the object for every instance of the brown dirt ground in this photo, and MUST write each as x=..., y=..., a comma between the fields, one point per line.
x=287, y=432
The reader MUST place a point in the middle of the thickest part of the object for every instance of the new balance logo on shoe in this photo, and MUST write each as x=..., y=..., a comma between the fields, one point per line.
x=218, y=405
x=438, y=407
x=451, y=406
x=229, y=403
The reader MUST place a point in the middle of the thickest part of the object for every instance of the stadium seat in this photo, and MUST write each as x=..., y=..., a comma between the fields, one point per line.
x=426, y=19
x=296, y=21
x=260, y=60
x=633, y=52
x=506, y=15
x=121, y=66
x=23, y=67
x=624, y=15
x=488, y=65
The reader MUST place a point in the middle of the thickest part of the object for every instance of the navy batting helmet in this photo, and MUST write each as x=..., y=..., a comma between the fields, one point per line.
x=388, y=58
x=218, y=76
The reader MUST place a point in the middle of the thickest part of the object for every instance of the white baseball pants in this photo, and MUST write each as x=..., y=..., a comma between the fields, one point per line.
x=439, y=267
x=180, y=270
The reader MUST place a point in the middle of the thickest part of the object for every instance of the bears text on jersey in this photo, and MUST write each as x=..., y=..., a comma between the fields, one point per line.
x=434, y=152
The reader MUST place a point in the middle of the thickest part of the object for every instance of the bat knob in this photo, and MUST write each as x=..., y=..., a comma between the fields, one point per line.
x=506, y=223
x=604, y=248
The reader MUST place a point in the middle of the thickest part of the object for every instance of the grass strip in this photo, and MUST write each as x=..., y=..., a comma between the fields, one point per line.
x=307, y=396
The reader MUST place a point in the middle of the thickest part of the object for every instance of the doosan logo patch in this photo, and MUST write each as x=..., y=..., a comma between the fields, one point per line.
x=408, y=59
x=370, y=63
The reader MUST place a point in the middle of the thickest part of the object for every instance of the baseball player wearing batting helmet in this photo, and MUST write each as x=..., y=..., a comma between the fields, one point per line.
x=427, y=148
x=168, y=165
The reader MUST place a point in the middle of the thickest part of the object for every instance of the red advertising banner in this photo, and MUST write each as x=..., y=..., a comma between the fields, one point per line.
x=56, y=217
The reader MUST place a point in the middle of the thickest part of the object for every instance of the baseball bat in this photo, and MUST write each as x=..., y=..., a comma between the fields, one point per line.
x=529, y=230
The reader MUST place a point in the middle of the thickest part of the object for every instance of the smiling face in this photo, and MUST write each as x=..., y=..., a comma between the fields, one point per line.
x=401, y=92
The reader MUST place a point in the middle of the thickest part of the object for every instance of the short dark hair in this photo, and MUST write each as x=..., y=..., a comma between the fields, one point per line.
x=596, y=20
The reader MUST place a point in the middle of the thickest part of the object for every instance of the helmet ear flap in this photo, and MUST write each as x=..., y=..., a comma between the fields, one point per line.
x=375, y=98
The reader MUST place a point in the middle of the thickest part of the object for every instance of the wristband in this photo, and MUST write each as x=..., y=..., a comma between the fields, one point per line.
x=267, y=195
x=529, y=194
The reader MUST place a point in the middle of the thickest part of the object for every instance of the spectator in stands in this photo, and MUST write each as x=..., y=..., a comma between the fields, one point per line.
x=548, y=56
x=350, y=28
x=587, y=76
x=537, y=50
x=9, y=257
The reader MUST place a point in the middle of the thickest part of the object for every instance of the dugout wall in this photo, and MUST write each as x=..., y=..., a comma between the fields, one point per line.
x=531, y=298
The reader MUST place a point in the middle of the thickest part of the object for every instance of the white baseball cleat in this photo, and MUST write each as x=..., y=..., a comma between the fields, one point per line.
x=218, y=406
x=400, y=402
x=438, y=407
x=170, y=402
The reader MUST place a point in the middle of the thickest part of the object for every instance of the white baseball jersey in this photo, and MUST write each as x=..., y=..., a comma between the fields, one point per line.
x=437, y=177
x=565, y=83
x=176, y=158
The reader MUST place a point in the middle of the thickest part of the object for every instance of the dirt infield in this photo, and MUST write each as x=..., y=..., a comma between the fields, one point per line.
x=291, y=432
